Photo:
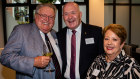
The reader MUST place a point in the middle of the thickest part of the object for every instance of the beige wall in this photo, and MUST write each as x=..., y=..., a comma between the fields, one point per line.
x=1, y=27
x=96, y=12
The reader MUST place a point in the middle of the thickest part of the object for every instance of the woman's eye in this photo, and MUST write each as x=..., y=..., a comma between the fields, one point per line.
x=105, y=38
x=115, y=39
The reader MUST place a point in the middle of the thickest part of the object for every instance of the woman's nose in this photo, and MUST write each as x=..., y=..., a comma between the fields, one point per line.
x=109, y=42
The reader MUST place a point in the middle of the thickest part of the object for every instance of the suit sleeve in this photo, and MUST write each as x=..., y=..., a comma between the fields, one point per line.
x=11, y=55
x=100, y=41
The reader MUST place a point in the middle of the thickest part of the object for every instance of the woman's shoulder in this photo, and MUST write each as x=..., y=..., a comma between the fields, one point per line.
x=100, y=58
x=131, y=61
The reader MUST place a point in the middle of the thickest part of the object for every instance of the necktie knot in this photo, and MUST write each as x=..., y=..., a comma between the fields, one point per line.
x=46, y=37
x=73, y=31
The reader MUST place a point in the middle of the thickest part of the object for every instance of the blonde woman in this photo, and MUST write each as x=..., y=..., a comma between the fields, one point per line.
x=114, y=63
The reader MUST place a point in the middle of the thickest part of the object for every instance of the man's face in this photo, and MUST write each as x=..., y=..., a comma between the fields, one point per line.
x=72, y=15
x=45, y=19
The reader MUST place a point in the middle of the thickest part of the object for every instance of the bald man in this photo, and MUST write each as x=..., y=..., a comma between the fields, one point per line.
x=88, y=44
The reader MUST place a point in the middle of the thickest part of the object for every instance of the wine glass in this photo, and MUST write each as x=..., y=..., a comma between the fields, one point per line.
x=48, y=52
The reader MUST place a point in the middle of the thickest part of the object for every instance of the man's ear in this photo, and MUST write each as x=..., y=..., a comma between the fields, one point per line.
x=35, y=15
x=80, y=14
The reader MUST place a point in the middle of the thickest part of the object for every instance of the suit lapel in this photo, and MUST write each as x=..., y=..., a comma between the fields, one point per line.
x=63, y=49
x=38, y=41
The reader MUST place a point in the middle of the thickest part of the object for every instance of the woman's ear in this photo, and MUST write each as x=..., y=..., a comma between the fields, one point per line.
x=122, y=45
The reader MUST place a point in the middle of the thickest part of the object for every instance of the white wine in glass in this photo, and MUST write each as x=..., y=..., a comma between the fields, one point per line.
x=48, y=54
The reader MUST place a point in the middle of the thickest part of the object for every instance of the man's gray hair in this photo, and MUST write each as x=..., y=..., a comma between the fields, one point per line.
x=46, y=5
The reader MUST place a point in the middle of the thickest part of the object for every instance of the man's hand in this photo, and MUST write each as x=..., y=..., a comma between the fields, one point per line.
x=41, y=61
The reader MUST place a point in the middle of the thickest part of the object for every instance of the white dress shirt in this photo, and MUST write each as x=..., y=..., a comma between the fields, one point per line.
x=54, y=44
x=68, y=48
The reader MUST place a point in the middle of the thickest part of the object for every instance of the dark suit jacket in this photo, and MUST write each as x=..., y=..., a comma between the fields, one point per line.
x=88, y=52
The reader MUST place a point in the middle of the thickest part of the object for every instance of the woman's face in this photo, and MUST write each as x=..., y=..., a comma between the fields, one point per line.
x=112, y=43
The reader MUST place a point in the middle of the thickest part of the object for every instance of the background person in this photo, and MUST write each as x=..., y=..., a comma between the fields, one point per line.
x=88, y=43
x=24, y=49
x=114, y=63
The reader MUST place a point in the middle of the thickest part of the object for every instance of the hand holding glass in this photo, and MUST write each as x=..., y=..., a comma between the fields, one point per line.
x=48, y=53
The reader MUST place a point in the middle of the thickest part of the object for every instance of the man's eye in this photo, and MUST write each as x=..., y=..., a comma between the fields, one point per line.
x=73, y=13
x=43, y=15
x=51, y=17
x=65, y=14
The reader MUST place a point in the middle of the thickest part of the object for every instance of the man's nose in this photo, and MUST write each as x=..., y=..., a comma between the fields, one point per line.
x=69, y=16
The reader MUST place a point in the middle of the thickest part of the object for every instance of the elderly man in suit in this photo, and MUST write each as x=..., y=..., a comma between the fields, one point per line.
x=26, y=44
x=78, y=54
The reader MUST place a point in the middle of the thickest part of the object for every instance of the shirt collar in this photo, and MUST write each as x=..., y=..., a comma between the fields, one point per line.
x=78, y=29
x=119, y=58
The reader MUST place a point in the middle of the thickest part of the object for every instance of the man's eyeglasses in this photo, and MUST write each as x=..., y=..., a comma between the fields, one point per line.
x=43, y=16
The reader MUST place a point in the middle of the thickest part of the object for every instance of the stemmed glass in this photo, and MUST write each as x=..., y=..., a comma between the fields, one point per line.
x=49, y=53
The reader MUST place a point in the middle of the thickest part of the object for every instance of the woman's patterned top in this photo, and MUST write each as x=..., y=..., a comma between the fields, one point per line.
x=122, y=67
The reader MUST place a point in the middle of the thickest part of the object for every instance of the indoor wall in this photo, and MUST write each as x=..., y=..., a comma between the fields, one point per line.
x=5, y=73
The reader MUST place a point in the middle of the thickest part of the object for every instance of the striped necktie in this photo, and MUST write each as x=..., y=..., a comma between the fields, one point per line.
x=54, y=58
